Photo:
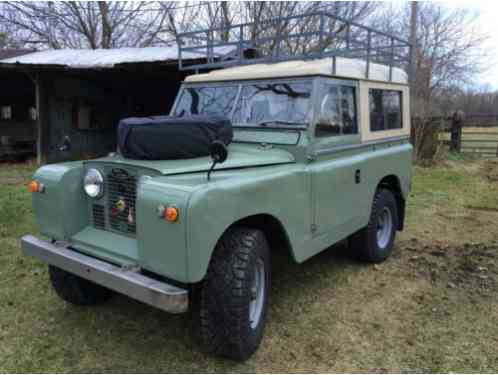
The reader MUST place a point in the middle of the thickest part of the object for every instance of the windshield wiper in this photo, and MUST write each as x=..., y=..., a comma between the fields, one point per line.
x=279, y=122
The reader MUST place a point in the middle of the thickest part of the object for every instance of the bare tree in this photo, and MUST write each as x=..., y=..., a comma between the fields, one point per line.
x=110, y=24
x=449, y=47
x=75, y=24
x=269, y=33
x=449, y=53
x=260, y=12
x=9, y=36
x=480, y=100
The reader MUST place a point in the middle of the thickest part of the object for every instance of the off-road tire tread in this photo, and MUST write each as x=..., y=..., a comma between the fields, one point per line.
x=364, y=242
x=223, y=307
x=76, y=290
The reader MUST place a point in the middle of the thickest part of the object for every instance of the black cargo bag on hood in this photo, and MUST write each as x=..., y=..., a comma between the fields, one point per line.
x=166, y=137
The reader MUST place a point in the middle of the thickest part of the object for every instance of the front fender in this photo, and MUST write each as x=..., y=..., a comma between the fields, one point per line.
x=280, y=191
x=61, y=210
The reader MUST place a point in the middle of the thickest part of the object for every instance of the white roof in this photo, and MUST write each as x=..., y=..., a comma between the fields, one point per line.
x=345, y=68
x=101, y=58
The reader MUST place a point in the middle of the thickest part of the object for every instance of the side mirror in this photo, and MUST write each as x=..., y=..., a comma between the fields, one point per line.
x=66, y=144
x=219, y=153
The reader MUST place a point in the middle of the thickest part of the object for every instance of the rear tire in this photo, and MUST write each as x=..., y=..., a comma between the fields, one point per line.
x=375, y=242
x=76, y=290
x=233, y=298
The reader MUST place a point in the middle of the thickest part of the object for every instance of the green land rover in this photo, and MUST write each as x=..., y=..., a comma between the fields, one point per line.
x=316, y=158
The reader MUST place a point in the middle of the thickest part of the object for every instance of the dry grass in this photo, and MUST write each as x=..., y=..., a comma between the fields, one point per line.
x=432, y=307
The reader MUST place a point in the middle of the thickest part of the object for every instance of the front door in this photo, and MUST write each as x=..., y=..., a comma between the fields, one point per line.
x=337, y=169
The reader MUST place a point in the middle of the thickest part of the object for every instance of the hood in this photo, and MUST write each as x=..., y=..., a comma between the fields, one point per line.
x=239, y=156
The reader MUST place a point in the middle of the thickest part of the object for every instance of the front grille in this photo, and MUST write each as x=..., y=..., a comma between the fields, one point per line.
x=98, y=214
x=121, y=198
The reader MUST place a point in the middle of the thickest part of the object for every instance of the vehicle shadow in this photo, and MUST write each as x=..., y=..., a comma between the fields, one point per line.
x=133, y=327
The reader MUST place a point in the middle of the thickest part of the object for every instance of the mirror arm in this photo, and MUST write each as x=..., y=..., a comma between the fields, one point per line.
x=219, y=154
x=211, y=169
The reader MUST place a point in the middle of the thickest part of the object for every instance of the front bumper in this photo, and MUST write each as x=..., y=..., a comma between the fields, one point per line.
x=124, y=280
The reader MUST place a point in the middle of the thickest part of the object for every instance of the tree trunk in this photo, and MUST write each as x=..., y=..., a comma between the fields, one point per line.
x=106, y=27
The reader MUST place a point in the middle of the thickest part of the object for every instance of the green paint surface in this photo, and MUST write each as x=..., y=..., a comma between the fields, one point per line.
x=254, y=181
x=318, y=190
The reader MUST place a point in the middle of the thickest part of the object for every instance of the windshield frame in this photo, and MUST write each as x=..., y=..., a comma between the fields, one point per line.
x=240, y=84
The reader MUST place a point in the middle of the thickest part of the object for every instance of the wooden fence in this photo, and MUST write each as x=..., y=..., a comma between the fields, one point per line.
x=477, y=134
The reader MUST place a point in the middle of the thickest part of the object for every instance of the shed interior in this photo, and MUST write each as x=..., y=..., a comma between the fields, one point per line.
x=84, y=106
x=17, y=115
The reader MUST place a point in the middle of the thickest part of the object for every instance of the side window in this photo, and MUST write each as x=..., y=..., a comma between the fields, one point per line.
x=385, y=109
x=337, y=112
x=6, y=112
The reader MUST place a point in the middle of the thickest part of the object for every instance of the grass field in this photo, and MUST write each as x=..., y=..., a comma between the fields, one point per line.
x=432, y=307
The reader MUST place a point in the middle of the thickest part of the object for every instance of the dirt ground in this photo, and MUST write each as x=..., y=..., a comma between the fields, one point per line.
x=432, y=307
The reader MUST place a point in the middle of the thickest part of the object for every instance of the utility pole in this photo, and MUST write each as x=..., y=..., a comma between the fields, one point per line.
x=413, y=55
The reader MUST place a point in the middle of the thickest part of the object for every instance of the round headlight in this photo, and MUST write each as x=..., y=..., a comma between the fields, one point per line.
x=94, y=183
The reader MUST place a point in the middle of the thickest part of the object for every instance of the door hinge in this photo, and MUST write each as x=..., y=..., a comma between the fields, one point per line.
x=310, y=157
x=313, y=228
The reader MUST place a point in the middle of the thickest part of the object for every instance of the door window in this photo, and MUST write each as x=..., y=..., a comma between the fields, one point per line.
x=337, y=111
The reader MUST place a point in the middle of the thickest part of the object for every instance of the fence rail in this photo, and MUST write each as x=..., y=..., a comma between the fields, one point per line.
x=465, y=136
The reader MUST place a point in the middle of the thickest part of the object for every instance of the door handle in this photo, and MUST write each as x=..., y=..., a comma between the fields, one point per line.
x=357, y=176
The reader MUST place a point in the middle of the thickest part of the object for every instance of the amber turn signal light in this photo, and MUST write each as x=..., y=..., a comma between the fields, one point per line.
x=171, y=213
x=35, y=187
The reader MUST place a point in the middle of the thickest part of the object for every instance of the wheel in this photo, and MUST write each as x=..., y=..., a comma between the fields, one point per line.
x=76, y=290
x=232, y=301
x=375, y=242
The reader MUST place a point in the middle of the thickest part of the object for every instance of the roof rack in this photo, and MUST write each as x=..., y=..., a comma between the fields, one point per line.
x=305, y=36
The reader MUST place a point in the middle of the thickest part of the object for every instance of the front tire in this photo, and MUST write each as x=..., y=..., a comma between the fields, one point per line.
x=76, y=290
x=375, y=242
x=233, y=298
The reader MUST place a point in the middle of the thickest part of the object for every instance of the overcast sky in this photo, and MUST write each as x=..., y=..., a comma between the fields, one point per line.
x=488, y=20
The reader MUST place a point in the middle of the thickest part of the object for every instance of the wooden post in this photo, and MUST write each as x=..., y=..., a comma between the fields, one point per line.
x=42, y=139
x=456, y=131
x=413, y=58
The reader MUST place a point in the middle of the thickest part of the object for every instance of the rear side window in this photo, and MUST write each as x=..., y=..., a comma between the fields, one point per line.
x=337, y=111
x=385, y=109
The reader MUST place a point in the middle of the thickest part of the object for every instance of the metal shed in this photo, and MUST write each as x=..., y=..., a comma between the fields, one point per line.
x=81, y=95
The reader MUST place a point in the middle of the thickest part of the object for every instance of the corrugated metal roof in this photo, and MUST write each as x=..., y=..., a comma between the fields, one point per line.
x=100, y=58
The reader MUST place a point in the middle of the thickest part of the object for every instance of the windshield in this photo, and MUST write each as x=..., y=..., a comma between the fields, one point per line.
x=265, y=104
x=273, y=102
x=216, y=100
